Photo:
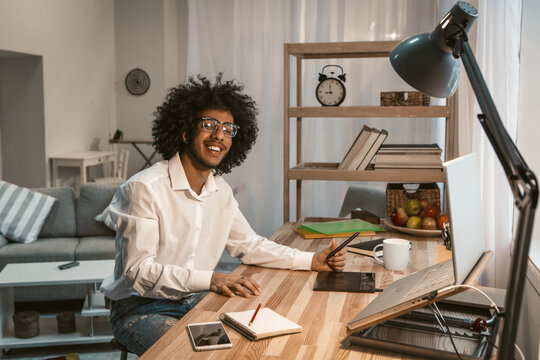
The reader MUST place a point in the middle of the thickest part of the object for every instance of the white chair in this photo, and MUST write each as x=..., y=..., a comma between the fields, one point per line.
x=120, y=173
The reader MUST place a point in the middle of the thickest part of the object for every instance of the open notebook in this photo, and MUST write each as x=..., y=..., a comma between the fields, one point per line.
x=268, y=323
x=469, y=257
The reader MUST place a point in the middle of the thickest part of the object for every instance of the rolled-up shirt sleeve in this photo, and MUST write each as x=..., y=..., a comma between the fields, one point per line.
x=254, y=249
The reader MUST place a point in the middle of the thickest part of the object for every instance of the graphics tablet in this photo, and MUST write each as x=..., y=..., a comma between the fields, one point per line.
x=345, y=281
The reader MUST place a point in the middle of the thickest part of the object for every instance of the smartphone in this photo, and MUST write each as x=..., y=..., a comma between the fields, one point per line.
x=208, y=336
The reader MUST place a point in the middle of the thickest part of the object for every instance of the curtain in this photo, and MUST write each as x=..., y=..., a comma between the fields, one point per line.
x=498, y=34
x=244, y=40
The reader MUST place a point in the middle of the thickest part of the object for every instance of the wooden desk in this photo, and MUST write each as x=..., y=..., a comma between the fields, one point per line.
x=82, y=160
x=134, y=142
x=322, y=315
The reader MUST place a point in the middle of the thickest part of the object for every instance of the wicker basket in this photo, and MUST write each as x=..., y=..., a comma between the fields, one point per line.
x=404, y=98
x=397, y=195
x=66, y=322
x=26, y=324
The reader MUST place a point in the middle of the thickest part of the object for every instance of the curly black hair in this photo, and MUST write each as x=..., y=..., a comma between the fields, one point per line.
x=182, y=106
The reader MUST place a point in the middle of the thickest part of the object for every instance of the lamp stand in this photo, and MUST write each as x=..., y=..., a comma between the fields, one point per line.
x=524, y=188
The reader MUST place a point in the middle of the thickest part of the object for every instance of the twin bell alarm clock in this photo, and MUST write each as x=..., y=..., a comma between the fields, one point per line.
x=331, y=90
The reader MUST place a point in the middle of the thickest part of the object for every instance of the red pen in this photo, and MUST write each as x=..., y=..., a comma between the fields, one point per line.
x=255, y=314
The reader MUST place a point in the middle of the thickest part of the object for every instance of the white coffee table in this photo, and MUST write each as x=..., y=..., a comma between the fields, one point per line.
x=92, y=324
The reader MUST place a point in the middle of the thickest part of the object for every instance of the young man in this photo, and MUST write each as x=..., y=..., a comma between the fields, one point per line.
x=175, y=218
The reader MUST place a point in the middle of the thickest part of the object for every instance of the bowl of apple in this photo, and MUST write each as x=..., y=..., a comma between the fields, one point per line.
x=418, y=218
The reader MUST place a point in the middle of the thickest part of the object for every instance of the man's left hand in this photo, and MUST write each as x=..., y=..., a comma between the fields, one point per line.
x=335, y=263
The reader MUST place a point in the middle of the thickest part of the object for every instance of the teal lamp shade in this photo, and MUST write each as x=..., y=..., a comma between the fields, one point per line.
x=429, y=62
x=424, y=66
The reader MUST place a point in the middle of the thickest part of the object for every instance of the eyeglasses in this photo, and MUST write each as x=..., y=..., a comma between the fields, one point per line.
x=210, y=124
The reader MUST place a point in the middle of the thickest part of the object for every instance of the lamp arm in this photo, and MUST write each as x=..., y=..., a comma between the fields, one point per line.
x=524, y=188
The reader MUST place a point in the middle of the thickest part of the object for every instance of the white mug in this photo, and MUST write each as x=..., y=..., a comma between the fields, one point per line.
x=395, y=254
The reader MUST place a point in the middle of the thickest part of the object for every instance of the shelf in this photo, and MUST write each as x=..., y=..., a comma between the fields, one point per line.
x=338, y=50
x=371, y=111
x=49, y=334
x=98, y=306
x=328, y=171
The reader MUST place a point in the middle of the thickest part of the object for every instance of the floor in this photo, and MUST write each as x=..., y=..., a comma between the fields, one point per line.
x=85, y=352
x=92, y=351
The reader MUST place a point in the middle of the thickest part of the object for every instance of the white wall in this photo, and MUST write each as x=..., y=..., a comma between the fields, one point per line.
x=22, y=120
x=527, y=141
x=76, y=41
x=150, y=35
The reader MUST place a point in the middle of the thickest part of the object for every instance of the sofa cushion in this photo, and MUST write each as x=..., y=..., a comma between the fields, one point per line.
x=61, y=220
x=93, y=198
x=46, y=249
x=22, y=212
x=95, y=248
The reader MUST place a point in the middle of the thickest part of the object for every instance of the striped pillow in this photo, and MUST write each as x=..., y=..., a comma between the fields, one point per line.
x=22, y=212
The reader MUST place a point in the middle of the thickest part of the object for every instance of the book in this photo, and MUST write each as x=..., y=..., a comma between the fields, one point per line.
x=308, y=234
x=382, y=135
x=408, y=156
x=365, y=248
x=267, y=323
x=344, y=226
x=352, y=158
x=409, y=149
x=419, y=158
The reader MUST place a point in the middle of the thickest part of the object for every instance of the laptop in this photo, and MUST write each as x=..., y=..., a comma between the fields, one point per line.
x=469, y=257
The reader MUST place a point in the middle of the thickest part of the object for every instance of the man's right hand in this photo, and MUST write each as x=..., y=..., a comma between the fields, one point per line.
x=231, y=284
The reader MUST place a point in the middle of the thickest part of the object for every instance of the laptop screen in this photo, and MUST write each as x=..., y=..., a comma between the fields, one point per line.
x=465, y=205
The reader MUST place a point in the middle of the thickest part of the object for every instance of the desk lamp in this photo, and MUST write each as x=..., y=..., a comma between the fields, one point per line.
x=430, y=63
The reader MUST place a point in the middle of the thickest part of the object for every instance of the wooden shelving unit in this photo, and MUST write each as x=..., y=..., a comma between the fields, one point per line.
x=300, y=171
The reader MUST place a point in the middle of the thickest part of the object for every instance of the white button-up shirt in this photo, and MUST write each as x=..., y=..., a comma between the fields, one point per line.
x=170, y=239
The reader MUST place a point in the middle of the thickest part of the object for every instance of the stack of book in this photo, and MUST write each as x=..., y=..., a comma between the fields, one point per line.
x=409, y=156
x=363, y=149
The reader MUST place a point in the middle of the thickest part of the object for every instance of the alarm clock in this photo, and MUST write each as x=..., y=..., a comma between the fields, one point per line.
x=331, y=90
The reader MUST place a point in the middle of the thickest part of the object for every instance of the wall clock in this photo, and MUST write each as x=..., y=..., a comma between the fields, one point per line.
x=137, y=81
x=331, y=90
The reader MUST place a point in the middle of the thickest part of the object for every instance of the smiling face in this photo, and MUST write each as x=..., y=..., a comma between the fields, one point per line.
x=207, y=149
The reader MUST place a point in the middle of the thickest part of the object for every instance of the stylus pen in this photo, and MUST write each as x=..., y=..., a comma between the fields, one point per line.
x=255, y=314
x=343, y=244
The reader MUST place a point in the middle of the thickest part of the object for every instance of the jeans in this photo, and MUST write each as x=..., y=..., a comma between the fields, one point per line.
x=138, y=322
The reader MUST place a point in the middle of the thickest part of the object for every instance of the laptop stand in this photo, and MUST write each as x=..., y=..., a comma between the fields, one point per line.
x=422, y=333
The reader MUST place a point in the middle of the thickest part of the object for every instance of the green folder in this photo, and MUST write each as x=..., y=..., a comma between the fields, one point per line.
x=342, y=226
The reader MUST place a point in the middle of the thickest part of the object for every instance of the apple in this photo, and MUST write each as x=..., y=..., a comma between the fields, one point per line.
x=429, y=223
x=412, y=207
x=399, y=217
x=414, y=222
x=432, y=211
x=423, y=203
x=441, y=220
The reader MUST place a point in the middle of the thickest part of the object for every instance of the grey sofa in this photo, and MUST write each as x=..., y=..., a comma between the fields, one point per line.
x=69, y=233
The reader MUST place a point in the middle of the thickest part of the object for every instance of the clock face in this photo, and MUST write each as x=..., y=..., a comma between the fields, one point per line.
x=330, y=92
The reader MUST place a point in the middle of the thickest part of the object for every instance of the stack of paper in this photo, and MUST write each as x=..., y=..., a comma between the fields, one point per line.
x=419, y=156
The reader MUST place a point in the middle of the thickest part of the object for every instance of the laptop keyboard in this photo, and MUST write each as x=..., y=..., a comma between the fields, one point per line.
x=436, y=277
